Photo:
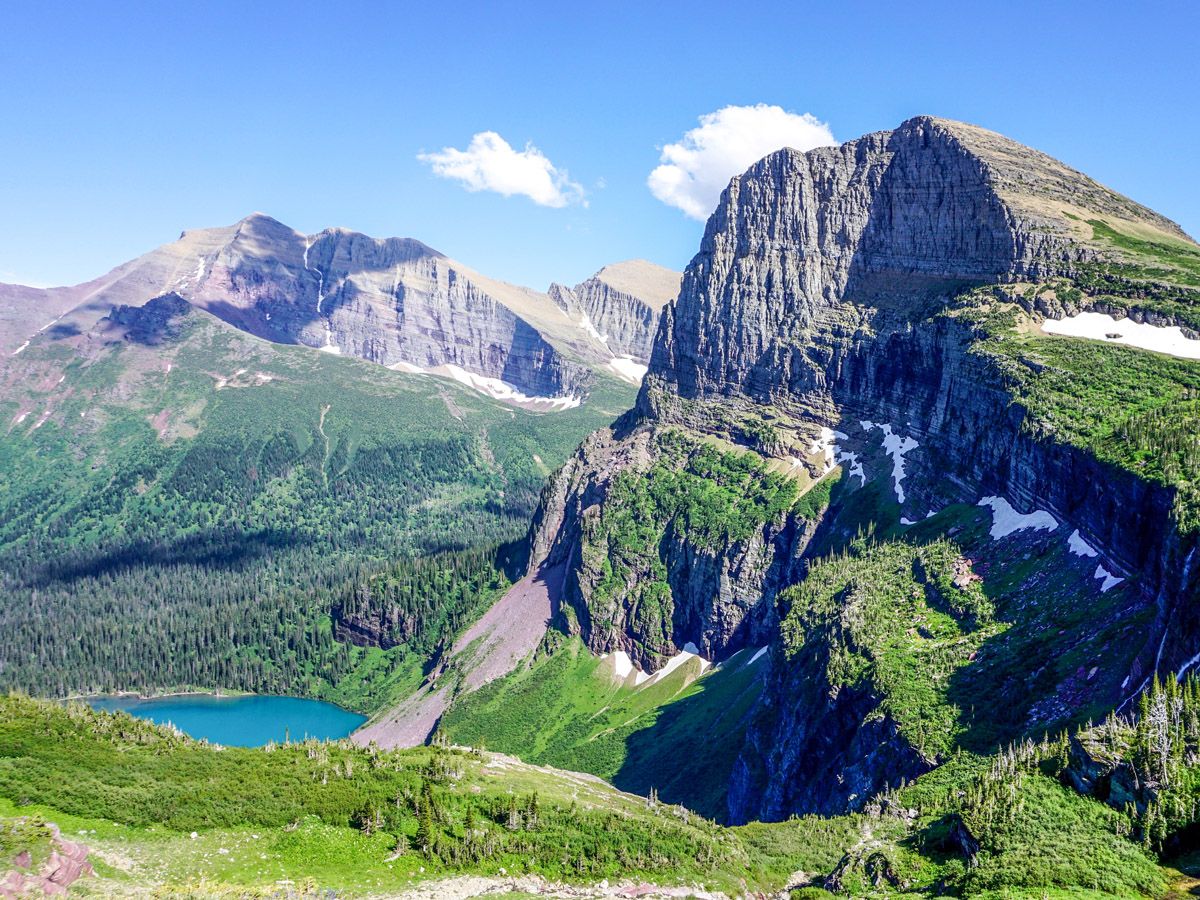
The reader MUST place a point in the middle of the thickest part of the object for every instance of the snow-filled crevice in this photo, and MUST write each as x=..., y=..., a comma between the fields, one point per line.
x=329, y=346
x=895, y=446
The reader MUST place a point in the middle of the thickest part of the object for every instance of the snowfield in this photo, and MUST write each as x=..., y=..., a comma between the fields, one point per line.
x=624, y=667
x=627, y=368
x=1168, y=339
x=492, y=387
x=1006, y=520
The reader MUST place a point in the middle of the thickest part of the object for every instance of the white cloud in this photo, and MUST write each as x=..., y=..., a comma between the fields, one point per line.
x=695, y=170
x=491, y=164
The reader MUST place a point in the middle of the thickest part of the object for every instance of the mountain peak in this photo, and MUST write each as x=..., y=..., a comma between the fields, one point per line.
x=654, y=284
x=1036, y=185
x=886, y=221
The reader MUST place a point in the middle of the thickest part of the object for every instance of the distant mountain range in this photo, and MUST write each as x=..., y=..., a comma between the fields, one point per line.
x=395, y=302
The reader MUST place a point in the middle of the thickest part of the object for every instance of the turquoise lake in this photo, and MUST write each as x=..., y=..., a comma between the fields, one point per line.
x=240, y=721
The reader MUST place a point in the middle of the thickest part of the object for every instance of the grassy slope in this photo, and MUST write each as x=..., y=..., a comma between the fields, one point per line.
x=1133, y=408
x=135, y=793
x=567, y=710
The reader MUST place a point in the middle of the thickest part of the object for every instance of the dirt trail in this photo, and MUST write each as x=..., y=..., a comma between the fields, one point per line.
x=491, y=648
x=321, y=428
x=467, y=887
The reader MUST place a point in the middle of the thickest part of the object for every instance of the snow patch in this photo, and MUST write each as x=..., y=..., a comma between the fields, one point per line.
x=1006, y=520
x=19, y=349
x=824, y=445
x=904, y=520
x=330, y=347
x=51, y=322
x=1110, y=580
x=586, y=324
x=502, y=390
x=1079, y=546
x=624, y=667
x=1168, y=339
x=492, y=387
x=855, y=468
x=758, y=655
x=20, y=418
x=193, y=279
x=689, y=651
x=627, y=368
x=622, y=664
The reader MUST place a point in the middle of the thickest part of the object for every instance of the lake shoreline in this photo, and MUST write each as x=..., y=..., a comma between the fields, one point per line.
x=241, y=720
x=138, y=695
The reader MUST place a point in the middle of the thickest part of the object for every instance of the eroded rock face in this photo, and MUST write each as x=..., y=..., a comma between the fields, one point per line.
x=393, y=302
x=67, y=863
x=722, y=593
x=812, y=302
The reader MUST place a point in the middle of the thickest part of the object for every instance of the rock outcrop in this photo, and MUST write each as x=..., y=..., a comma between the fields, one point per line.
x=66, y=864
x=824, y=243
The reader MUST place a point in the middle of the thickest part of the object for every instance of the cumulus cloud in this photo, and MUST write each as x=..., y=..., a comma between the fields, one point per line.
x=491, y=164
x=696, y=169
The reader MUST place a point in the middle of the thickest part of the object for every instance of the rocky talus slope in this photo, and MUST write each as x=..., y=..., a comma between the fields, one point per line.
x=392, y=301
x=853, y=311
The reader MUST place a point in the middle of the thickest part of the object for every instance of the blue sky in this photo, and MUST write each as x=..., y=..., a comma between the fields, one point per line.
x=122, y=124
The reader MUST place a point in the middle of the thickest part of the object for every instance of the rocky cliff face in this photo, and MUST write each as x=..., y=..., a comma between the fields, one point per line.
x=857, y=236
x=394, y=301
x=823, y=298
